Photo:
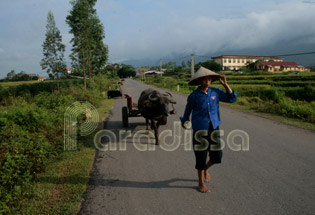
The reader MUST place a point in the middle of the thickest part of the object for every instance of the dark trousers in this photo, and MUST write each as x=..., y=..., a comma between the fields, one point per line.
x=205, y=142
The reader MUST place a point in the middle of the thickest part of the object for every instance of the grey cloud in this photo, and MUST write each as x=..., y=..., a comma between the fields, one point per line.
x=287, y=21
x=152, y=34
x=308, y=2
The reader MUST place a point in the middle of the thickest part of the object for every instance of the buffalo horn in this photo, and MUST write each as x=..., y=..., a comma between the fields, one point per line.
x=169, y=94
x=171, y=98
x=152, y=99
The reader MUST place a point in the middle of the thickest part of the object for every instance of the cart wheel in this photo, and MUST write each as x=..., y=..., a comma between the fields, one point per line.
x=124, y=111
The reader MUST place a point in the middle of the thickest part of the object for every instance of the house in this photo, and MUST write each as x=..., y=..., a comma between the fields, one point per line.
x=115, y=66
x=270, y=66
x=69, y=70
x=41, y=78
x=154, y=72
x=236, y=62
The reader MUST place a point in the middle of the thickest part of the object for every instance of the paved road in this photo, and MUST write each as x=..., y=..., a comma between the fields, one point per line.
x=275, y=176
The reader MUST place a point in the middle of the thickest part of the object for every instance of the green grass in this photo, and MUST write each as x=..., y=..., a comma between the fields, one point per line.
x=286, y=120
x=16, y=83
x=59, y=189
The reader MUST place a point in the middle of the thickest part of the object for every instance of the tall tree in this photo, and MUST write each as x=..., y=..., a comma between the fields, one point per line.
x=252, y=65
x=126, y=71
x=209, y=64
x=183, y=64
x=88, y=49
x=53, y=49
x=100, y=50
x=11, y=75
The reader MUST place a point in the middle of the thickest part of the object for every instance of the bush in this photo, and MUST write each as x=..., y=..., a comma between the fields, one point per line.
x=297, y=109
x=80, y=94
x=307, y=93
x=102, y=82
x=24, y=150
x=31, y=133
x=243, y=101
x=36, y=88
x=53, y=101
x=158, y=79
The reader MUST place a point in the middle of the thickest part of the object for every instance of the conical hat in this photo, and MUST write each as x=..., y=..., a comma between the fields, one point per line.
x=203, y=72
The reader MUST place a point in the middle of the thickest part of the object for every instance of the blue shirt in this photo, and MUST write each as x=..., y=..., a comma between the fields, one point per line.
x=205, y=107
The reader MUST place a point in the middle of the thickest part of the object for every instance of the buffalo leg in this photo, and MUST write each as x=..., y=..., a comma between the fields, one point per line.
x=147, y=123
x=156, y=132
x=157, y=126
x=152, y=126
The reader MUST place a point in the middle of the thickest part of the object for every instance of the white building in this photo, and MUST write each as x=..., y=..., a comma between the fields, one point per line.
x=236, y=62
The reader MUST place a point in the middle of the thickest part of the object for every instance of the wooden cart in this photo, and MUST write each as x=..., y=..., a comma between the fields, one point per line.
x=131, y=110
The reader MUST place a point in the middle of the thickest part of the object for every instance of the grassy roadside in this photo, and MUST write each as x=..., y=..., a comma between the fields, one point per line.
x=60, y=188
x=16, y=83
x=282, y=119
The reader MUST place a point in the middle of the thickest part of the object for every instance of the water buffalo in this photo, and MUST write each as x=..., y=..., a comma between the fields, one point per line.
x=154, y=107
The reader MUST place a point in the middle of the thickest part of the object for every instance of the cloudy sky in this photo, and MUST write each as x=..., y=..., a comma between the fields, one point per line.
x=157, y=28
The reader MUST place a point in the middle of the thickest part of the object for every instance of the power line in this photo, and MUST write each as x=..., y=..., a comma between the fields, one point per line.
x=203, y=56
x=176, y=59
x=283, y=55
x=305, y=53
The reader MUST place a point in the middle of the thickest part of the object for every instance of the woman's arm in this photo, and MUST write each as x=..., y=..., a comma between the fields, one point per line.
x=223, y=81
x=230, y=95
x=188, y=109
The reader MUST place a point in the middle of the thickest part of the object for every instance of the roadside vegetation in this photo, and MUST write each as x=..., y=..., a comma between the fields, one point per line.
x=37, y=175
x=289, y=95
x=9, y=83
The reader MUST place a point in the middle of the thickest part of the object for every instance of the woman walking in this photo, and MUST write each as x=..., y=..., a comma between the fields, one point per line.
x=203, y=103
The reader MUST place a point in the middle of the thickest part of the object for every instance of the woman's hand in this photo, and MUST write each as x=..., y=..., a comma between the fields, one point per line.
x=186, y=125
x=223, y=81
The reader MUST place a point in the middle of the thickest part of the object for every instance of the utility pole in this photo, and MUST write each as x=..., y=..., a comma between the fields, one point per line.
x=192, y=65
x=161, y=66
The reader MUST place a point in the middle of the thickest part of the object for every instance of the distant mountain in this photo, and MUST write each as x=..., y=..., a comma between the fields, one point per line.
x=142, y=62
x=283, y=48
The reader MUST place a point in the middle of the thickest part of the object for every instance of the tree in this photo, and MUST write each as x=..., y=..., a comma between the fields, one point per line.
x=210, y=64
x=35, y=78
x=99, y=55
x=183, y=64
x=51, y=76
x=169, y=65
x=126, y=71
x=53, y=49
x=11, y=75
x=88, y=49
x=25, y=77
x=252, y=65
